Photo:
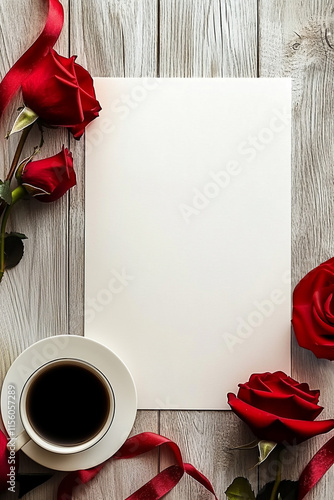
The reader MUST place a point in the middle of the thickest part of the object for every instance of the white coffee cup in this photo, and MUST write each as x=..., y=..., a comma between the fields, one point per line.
x=65, y=390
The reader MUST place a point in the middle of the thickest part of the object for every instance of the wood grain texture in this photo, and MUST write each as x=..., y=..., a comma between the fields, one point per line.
x=295, y=41
x=204, y=38
x=239, y=26
x=115, y=37
x=190, y=39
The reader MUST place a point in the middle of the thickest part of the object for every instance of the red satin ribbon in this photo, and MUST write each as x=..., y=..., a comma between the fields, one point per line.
x=21, y=69
x=316, y=468
x=155, y=489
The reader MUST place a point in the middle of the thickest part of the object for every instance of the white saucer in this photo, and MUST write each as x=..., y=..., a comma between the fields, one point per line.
x=72, y=346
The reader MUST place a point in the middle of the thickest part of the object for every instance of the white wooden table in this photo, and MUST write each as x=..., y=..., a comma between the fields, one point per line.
x=43, y=296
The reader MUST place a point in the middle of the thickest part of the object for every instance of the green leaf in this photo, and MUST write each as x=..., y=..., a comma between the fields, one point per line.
x=265, y=448
x=19, y=235
x=5, y=192
x=287, y=490
x=14, y=250
x=240, y=489
x=26, y=118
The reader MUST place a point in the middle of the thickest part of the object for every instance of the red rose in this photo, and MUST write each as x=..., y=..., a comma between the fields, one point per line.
x=278, y=408
x=313, y=311
x=61, y=93
x=49, y=179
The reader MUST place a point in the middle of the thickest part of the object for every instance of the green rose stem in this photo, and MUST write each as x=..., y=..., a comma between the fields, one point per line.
x=16, y=159
x=23, y=138
x=17, y=195
x=278, y=479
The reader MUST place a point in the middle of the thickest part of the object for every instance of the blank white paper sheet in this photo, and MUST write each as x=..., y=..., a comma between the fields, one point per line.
x=188, y=226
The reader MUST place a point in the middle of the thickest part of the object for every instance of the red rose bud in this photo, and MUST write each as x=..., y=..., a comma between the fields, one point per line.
x=49, y=179
x=61, y=93
x=313, y=311
x=278, y=408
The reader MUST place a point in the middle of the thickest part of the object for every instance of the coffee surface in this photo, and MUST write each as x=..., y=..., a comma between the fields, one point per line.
x=67, y=404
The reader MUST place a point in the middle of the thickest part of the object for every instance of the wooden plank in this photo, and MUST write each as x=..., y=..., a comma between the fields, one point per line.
x=34, y=295
x=117, y=39
x=295, y=41
x=239, y=35
x=208, y=39
x=191, y=41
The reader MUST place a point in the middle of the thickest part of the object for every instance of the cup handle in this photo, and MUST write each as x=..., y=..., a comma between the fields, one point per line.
x=19, y=441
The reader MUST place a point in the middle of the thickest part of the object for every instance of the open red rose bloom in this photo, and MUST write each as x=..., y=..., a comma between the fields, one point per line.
x=278, y=408
x=61, y=93
x=313, y=311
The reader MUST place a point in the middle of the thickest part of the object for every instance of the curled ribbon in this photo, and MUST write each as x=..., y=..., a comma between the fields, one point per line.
x=21, y=69
x=157, y=487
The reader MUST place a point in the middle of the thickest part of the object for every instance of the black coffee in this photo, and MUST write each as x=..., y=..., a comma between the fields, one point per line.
x=67, y=404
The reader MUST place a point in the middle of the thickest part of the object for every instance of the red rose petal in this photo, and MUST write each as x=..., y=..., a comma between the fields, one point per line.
x=268, y=426
x=312, y=317
x=282, y=405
